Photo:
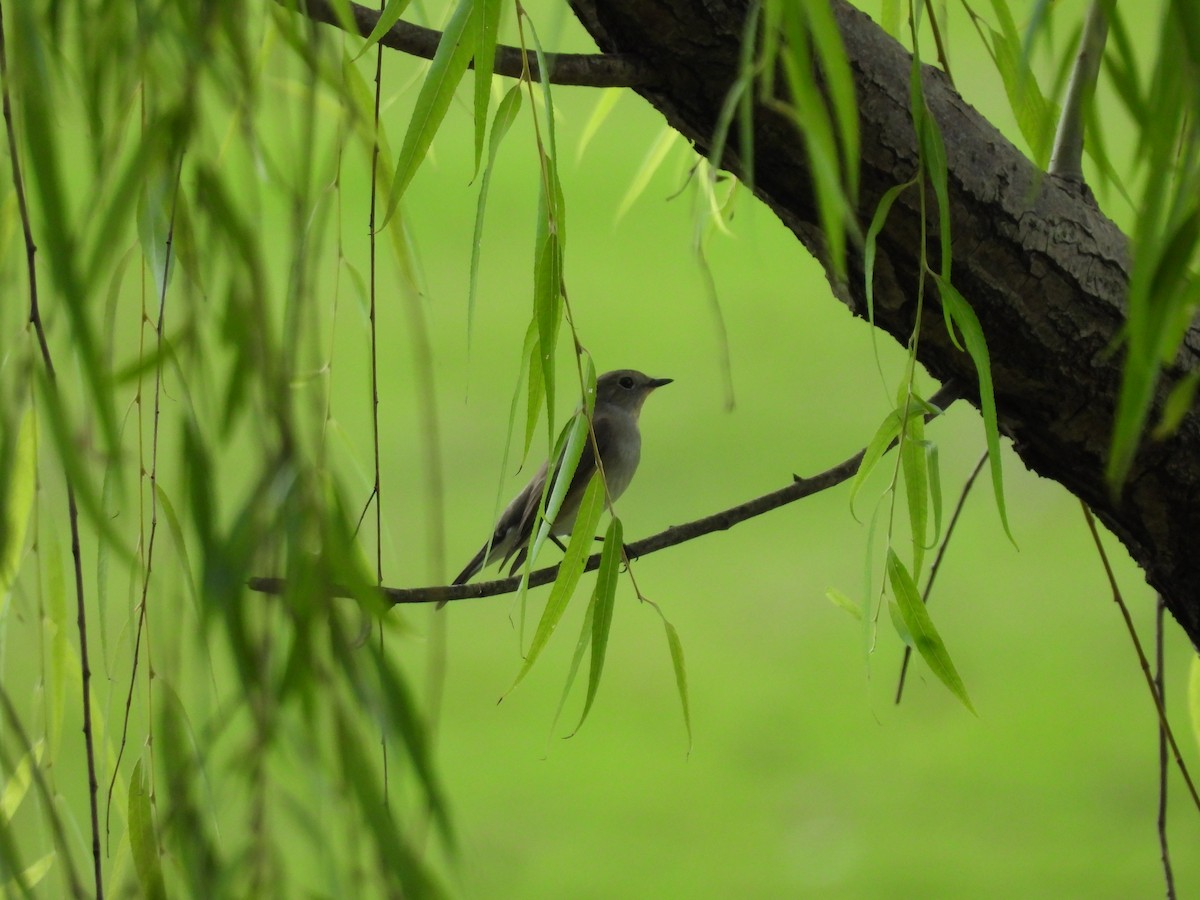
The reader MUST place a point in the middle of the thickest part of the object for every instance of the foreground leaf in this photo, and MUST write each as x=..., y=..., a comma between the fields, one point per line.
x=924, y=637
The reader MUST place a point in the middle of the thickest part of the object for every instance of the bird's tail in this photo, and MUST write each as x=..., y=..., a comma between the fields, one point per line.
x=473, y=567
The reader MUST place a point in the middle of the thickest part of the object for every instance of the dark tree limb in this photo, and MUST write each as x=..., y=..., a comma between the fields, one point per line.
x=1044, y=269
x=582, y=69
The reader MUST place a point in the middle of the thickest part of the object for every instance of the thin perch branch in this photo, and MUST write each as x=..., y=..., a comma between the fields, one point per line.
x=579, y=69
x=677, y=534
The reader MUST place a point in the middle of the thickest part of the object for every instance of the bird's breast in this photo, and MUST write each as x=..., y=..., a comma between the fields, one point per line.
x=621, y=459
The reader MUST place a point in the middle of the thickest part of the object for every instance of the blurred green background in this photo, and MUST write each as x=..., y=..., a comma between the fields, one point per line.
x=803, y=779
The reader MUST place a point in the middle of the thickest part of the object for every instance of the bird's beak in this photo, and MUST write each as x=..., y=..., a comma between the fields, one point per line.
x=658, y=382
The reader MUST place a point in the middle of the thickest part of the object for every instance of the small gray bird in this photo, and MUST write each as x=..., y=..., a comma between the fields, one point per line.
x=619, y=399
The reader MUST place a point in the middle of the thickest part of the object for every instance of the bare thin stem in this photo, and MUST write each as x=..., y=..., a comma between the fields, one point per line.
x=1137, y=646
x=149, y=563
x=943, y=57
x=1168, y=874
x=35, y=319
x=375, y=493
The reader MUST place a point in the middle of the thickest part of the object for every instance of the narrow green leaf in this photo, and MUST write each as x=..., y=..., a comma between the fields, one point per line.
x=536, y=384
x=603, y=598
x=569, y=571
x=925, y=638
x=916, y=484
x=547, y=285
x=18, y=502
x=404, y=715
x=1178, y=404
x=968, y=323
x=889, y=17
x=933, y=469
x=58, y=629
x=1035, y=115
x=57, y=237
x=181, y=550
x=581, y=647
x=559, y=479
x=389, y=17
x=650, y=164
x=393, y=847
x=506, y=114
x=869, y=245
x=843, y=601
x=839, y=81
x=485, y=58
x=680, y=668
x=449, y=64
x=18, y=781
x=933, y=156
x=606, y=99
x=143, y=840
x=811, y=117
x=888, y=431
x=29, y=877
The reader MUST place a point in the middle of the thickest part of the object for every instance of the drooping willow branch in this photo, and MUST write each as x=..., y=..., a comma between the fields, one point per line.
x=35, y=320
x=676, y=534
x=579, y=69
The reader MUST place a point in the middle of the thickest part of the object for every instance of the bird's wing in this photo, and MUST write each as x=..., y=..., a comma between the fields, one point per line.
x=531, y=498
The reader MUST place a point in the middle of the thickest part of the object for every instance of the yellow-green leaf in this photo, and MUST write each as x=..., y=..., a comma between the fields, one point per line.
x=921, y=633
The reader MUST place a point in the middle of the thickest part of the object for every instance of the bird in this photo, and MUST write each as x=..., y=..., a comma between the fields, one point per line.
x=619, y=398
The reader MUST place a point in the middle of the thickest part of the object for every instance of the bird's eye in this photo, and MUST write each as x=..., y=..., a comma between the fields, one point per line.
x=626, y=382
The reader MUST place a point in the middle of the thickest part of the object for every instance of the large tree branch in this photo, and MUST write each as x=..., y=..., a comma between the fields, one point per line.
x=583, y=69
x=1044, y=269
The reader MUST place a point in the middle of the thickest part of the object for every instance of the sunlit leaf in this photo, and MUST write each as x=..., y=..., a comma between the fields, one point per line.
x=843, y=601
x=606, y=99
x=654, y=158
x=17, y=782
x=390, y=15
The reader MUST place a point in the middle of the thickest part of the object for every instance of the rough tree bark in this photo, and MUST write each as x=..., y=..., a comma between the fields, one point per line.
x=1044, y=269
